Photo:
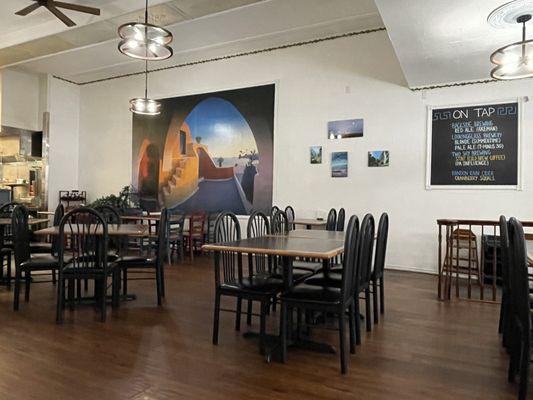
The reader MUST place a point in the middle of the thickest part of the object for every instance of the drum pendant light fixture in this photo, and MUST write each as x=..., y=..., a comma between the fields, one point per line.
x=514, y=61
x=145, y=41
x=144, y=105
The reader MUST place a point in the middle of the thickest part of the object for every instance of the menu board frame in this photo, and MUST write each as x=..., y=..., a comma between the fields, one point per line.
x=431, y=108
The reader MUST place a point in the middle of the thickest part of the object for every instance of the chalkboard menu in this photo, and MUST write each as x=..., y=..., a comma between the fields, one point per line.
x=474, y=145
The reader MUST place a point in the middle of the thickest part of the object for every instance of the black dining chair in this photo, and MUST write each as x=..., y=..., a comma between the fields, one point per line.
x=176, y=242
x=83, y=235
x=331, y=300
x=377, y=277
x=520, y=317
x=331, y=222
x=230, y=280
x=364, y=272
x=340, y=220
x=289, y=211
x=25, y=262
x=142, y=265
x=301, y=269
x=505, y=307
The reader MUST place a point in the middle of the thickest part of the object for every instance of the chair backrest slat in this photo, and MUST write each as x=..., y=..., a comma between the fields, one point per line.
x=228, y=264
x=349, y=268
x=21, y=234
x=365, y=245
x=258, y=226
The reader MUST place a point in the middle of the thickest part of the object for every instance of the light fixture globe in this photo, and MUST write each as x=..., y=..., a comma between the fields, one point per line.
x=145, y=41
x=514, y=61
x=144, y=106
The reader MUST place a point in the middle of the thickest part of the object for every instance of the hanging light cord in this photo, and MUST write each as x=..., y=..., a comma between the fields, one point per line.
x=146, y=79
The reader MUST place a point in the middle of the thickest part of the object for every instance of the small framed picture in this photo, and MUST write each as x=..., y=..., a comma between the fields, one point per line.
x=378, y=158
x=348, y=128
x=315, y=154
x=339, y=164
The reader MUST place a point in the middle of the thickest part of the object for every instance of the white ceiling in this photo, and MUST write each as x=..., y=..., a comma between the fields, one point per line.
x=204, y=29
x=443, y=41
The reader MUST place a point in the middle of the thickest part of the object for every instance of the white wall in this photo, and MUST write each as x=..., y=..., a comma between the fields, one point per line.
x=357, y=77
x=63, y=103
x=21, y=100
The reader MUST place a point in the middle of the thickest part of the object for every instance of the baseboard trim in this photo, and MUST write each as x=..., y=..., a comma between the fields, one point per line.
x=410, y=269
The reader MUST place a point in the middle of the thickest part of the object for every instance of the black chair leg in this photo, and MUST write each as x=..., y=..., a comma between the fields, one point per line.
x=382, y=295
x=524, y=368
x=159, y=289
x=342, y=341
x=262, y=326
x=124, y=281
x=27, y=280
x=284, y=323
x=70, y=293
x=375, y=301
x=238, y=314
x=60, y=298
x=249, y=313
x=368, y=311
x=357, y=321
x=162, y=273
x=54, y=277
x=216, y=318
x=116, y=288
x=16, y=293
x=8, y=277
x=351, y=326
x=103, y=292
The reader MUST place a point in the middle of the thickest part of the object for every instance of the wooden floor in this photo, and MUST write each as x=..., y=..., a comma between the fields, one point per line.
x=423, y=349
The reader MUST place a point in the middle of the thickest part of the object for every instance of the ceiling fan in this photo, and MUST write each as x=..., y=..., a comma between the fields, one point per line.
x=53, y=6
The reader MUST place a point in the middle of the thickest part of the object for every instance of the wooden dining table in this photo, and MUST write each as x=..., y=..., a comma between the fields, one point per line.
x=132, y=230
x=309, y=223
x=312, y=244
x=31, y=221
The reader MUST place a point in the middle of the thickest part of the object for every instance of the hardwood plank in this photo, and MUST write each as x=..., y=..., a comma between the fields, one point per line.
x=421, y=349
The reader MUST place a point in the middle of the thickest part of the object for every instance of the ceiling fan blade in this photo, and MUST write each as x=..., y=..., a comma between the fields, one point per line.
x=76, y=7
x=66, y=20
x=29, y=9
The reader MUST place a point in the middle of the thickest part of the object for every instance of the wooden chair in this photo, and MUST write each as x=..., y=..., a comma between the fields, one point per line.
x=196, y=235
x=461, y=261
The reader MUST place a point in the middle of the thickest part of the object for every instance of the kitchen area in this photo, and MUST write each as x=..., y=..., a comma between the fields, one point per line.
x=22, y=167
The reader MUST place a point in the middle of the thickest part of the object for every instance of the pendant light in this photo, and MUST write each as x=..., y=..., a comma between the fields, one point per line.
x=515, y=60
x=144, y=105
x=145, y=41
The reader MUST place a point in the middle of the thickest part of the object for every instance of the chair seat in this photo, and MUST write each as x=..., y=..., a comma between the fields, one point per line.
x=257, y=283
x=307, y=265
x=313, y=294
x=42, y=261
x=136, y=261
x=333, y=279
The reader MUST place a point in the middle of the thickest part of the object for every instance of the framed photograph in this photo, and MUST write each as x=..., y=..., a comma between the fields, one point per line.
x=339, y=164
x=316, y=154
x=378, y=158
x=348, y=128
